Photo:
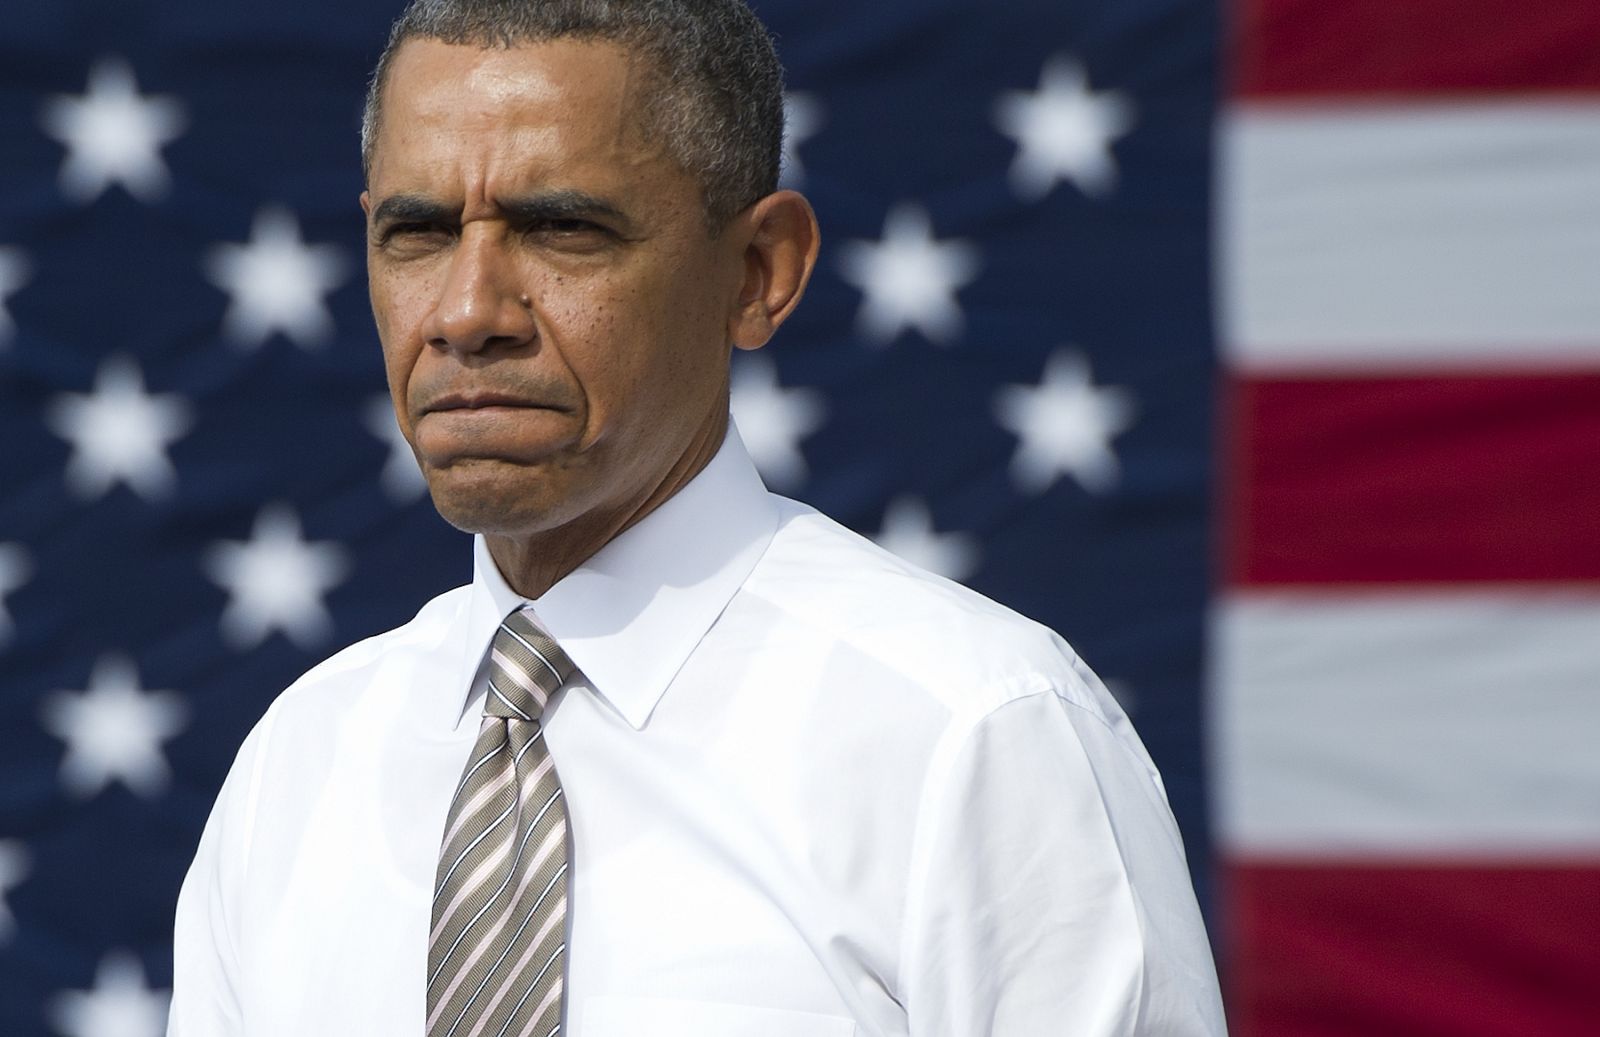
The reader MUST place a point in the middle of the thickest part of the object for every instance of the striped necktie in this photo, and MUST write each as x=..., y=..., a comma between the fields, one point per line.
x=497, y=949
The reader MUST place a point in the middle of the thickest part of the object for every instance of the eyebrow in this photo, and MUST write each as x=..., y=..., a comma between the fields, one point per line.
x=411, y=208
x=561, y=205
x=533, y=208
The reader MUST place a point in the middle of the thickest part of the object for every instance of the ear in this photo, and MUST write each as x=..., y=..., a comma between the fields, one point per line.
x=783, y=239
x=366, y=203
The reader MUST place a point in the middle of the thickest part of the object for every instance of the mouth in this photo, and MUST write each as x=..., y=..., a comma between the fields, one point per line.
x=520, y=426
x=470, y=401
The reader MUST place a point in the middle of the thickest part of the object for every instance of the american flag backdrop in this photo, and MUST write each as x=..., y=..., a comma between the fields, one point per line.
x=1338, y=557
x=1406, y=701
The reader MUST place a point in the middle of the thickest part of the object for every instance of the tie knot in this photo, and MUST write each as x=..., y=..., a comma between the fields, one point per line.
x=525, y=669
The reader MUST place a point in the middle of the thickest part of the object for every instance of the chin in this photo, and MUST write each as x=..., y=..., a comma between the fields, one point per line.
x=495, y=499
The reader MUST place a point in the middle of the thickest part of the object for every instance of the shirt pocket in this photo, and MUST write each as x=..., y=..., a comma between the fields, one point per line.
x=673, y=1017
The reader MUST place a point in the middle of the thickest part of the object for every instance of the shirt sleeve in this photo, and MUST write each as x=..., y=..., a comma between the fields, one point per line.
x=205, y=980
x=1049, y=892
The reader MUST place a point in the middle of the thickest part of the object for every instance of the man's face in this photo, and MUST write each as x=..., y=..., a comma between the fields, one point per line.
x=553, y=312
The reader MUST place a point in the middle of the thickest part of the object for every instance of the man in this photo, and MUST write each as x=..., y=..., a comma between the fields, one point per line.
x=684, y=758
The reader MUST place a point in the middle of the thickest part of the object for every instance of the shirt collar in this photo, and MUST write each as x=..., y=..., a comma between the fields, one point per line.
x=632, y=613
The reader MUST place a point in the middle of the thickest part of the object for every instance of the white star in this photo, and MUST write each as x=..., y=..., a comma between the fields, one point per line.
x=275, y=581
x=114, y=730
x=15, y=570
x=1063, y=131
x=14, y=867
x=1065, y=426
x=402, y=480
x=119, y=433
x=14, y=271
x=772, y=420
x=802, y=118
x=908, y=279
x=120, y=1005
x=113, y=135
x=908, y=532
x=277, y=282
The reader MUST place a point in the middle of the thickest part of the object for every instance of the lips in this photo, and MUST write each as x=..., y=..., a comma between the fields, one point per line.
x=468, y=424
x=481, y=401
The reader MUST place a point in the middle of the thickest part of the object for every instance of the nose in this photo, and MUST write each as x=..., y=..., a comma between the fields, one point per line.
x=481, y=306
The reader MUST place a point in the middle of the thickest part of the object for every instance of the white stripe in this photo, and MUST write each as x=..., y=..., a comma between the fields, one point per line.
x=468, y=848
x=461, y=973
x=548, y=886
x=1368, y=237
x=1464, y=724
x=491, y=754
x=468, y=809
x=555, y=916
x=489, y=973
x=514, y=670
x=489, y=790
x=556, y=837
x=509, y=704
x=540, y=815
x=559, y=872
x=554, y=992
x=473, y=882
x=537, y=654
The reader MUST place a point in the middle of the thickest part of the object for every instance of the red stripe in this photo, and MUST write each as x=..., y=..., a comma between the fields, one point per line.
x=1466, y=951
x=1413, y=480
x=1288, y=47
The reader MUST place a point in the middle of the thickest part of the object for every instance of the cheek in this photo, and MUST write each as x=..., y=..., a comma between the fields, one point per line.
x=402, y=293
x=593, y=323
x=397, y=315
x=571, y=307
x=644, y=344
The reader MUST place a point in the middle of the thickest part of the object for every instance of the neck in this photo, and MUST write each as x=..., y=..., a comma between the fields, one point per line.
x=533, y=563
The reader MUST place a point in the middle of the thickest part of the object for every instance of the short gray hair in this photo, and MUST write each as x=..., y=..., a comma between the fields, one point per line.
x=717, y=107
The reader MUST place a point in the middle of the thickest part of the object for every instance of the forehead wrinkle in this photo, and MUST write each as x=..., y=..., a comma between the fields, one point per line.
x=503, y=128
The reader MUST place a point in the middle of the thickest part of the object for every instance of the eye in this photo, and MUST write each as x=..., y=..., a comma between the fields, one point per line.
x=557, y=226
x=411, y=238
x=410, y=230
x=568, y=234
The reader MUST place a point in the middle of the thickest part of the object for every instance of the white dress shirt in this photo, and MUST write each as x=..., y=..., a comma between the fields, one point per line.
x=814, y=792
